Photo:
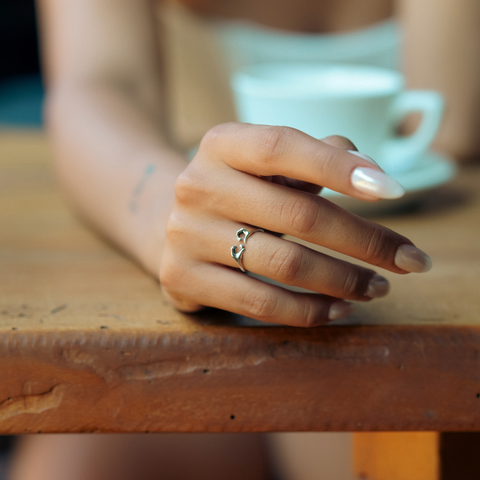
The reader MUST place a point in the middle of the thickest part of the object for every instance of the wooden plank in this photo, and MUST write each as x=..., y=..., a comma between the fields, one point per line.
x=251, y=379
x=87, y=343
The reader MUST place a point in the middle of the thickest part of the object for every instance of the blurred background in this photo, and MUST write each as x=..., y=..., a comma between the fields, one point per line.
x=6, y=443
x=21, y=90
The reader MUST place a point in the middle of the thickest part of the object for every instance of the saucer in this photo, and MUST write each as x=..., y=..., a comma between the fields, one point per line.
x=430, y=172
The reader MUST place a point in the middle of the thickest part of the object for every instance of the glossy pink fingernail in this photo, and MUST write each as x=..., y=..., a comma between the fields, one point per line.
x=340, y=309
x=376, y=183
x=412, y=259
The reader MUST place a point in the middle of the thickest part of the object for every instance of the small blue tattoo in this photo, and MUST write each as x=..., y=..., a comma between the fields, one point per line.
x=149, y=170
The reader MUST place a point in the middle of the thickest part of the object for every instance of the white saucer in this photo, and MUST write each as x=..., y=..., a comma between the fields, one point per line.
x=432, y=171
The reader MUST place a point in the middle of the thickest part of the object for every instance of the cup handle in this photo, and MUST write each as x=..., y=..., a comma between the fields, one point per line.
x=431, y=105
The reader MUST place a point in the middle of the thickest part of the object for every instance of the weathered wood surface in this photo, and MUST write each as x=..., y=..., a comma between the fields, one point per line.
x=88, y=344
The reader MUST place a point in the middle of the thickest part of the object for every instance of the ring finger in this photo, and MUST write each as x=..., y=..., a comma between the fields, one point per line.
x=289, y=263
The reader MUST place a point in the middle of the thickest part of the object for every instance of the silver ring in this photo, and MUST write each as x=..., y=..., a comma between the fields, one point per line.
x=242, y=236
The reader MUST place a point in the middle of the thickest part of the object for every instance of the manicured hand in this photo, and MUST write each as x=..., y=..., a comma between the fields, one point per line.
x=260, y=177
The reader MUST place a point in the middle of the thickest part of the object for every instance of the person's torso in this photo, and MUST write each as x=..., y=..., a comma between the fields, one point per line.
x=202, y=51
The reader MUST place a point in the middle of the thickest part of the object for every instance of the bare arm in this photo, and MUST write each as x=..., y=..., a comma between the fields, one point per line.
x=442, y=51
x=104, y=111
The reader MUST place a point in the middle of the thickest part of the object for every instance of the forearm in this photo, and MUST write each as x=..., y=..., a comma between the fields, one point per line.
x=115, y=164
x=442, y=51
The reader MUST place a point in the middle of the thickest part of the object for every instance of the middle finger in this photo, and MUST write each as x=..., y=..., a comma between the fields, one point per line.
x=287, y=262
x=308, y=217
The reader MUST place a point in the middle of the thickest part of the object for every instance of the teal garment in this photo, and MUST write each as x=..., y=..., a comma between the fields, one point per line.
x=202, y=53
x=245, y=43
x=242, y=43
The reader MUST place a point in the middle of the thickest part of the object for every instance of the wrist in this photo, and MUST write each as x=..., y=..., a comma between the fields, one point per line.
x=150, y=204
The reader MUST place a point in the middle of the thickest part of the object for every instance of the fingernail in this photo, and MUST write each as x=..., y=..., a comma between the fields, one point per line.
x=365, y=157
x=412, y=259
x=377, y=287
x=376, y=183
x=340, y=309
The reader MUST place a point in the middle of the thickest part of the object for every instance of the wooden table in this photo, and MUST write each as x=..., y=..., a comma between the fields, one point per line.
x=88, y=344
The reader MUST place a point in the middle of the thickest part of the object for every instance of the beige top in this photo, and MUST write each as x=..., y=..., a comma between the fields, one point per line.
x=197, y=82
x=201, y=54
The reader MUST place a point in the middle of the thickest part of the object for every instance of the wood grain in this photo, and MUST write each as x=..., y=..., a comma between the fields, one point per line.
x=87, y=343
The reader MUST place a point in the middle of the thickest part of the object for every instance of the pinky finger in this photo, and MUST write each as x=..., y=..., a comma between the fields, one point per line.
x=227, y=289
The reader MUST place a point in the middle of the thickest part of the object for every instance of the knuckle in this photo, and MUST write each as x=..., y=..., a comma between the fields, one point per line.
x=174, y=277
x=352, y=284
x=174, y=229
x=327, y=163
x=339, y=141
x=286, y=264
x=310, y=315
x=190, y=187
x=171, y=277
x=181, y=303
x=377, y=246
x=260, y=304
x=272, y=143
x=300, y=215
x=210, y=139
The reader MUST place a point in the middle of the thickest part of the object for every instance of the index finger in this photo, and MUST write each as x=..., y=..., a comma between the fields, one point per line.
x=264, y=150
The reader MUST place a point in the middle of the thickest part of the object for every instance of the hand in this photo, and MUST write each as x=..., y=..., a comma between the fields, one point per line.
x=253, y=176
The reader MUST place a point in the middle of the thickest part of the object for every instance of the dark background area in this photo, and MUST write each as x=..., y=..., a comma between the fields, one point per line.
x=18, y=38
x=21, y=90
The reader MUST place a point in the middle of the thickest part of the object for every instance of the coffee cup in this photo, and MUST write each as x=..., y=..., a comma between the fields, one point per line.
x=365, y=104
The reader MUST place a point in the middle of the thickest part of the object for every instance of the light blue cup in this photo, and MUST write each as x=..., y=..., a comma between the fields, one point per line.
x=364, y=104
